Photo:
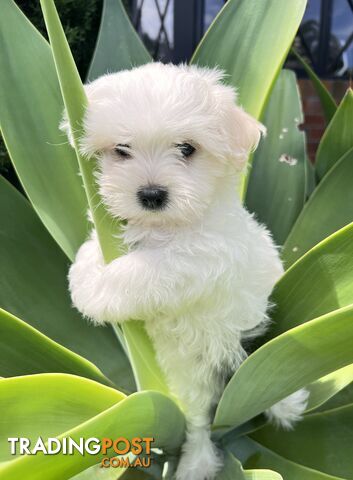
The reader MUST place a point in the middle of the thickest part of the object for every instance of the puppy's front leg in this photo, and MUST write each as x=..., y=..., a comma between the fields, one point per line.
x=104, y=292
x=85, y=280
x=135, y=286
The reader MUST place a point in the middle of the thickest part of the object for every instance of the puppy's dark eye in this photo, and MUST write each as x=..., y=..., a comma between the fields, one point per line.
x=186, y=149
x=123, y=150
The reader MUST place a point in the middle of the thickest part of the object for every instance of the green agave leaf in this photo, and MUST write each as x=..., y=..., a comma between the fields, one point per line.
x=96, y=473
x=107, y=229
x=328, y=103
x=137, y=475
x=262, y=475
x=266, y=29
x=328, y=209
x=75, y=103
x=33, y=287
x=233, y=470
x=254, y=455
x=38, y=412
x=153, y=472
x=276, y=188
x=143, y=360
x=320, y=282
x=286, y=364
x=31, y=109
x=341, y=399
x=47, y=405
x=24, y=350
x=338, y=137
x=118, y=45
x=321, y=441
x=325, y=388
x=244, y=429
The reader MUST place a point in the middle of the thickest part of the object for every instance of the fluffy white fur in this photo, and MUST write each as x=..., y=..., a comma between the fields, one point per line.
x=289, y=410
x=200, y=271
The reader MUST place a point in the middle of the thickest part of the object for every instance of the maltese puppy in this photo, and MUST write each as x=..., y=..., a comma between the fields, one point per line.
x=171, y=144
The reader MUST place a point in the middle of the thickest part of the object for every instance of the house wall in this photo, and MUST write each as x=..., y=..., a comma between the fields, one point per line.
x=314, y=124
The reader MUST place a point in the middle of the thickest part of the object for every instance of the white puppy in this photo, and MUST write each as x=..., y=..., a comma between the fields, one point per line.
x=171, y=144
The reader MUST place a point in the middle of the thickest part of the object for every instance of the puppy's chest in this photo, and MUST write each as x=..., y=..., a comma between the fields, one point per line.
x=194, y=332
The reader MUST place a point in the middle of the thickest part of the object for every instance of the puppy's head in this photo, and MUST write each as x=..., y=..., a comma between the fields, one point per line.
x=166, y=138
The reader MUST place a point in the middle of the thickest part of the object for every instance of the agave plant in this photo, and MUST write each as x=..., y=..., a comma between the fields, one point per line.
x=63, y=377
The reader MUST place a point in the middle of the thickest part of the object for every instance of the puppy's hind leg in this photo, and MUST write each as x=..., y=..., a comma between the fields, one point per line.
x=200, y=459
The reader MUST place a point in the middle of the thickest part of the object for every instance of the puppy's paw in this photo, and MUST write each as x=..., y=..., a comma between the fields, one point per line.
x=289, y=410
x=84, y=280
x=200, y=459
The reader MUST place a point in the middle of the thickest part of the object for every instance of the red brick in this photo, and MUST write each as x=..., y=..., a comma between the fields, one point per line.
x=315, y=122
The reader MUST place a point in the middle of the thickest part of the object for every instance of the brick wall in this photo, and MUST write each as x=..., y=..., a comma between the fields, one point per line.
x=314, y=124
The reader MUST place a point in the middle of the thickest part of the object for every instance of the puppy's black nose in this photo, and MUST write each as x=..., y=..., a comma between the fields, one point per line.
x=153, y=197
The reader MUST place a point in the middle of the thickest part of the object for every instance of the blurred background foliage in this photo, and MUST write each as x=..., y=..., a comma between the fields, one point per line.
x=81, y=19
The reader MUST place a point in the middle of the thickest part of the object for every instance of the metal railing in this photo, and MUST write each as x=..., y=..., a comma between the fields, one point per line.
x=319, y=43
x=186, y=28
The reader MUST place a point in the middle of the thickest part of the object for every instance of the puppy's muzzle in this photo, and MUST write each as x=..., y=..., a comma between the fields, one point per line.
x=153, y=197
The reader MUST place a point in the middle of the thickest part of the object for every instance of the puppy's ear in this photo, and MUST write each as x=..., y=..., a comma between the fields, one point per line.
x=244, y=135
x=239, y=131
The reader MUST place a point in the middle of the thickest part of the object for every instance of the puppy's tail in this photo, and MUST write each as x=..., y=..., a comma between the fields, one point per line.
x=288, y=411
